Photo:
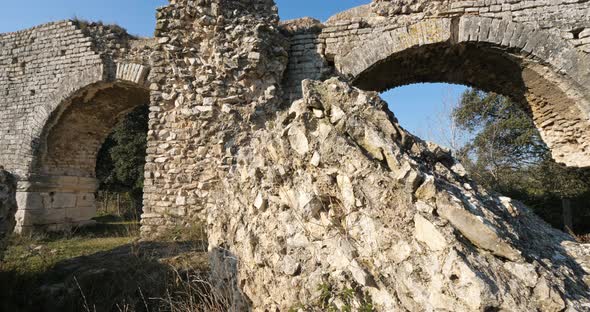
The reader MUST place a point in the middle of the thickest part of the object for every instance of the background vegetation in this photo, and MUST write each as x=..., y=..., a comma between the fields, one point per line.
x=508, y=156
x=120, y=164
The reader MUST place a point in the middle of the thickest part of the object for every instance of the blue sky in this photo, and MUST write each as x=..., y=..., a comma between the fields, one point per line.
x=416, y=106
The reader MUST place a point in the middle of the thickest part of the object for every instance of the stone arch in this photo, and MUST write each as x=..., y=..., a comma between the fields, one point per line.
x=69, y=131
x=530, y=65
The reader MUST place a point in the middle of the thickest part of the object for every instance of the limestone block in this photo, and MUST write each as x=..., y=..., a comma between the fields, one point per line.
x=290, y=266
x=359, y=274
x=63, y=200
x=550, y=298
x=427, y=233
x=427, y=191
x=40, y=216
x=347, y=191
x=29, y=200
x=474, y=229
x=315, y=159
x=260, y=202
x=85, y=200
x=298, y=139
x=524, y=271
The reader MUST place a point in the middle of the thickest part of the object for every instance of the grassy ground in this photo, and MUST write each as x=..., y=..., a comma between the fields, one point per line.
x=102, y=268
x=36, y=253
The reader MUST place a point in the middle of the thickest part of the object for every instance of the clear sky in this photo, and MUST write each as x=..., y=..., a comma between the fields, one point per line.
x=416, y=106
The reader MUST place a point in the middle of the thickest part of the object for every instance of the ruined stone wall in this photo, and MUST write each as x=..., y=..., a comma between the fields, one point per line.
x=34, y=65
x=548, y=40
x=63, y=87
x=216, y=76
x=55, y=75
x=40, y=68
x=327, y=192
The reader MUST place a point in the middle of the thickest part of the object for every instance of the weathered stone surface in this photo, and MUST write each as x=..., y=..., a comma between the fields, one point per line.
x=427, y=233
x=468, y=254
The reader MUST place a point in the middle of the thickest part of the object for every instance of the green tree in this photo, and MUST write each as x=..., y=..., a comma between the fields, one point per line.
x=508, y=156
x=121, y=159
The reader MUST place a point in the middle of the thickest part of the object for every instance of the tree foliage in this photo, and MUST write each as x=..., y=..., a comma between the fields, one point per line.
x=507, y=155
x=121, y=160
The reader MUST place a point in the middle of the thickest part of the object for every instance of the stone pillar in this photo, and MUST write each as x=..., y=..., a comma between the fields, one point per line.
x=55, y=203
x=204, y=85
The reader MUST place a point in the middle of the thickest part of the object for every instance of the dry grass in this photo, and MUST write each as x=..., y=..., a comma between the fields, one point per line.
x=189, y=292
x=183, y=292
x=35, y=253
x=107, y=268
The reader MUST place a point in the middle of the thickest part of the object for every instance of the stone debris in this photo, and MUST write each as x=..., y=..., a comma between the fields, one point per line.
x=315, y=159
x=427, y=233
x=358, y=224
x=474, y=229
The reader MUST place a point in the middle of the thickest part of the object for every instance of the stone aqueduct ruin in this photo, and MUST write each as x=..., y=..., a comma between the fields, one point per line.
x=65, y=84
x=239, y=137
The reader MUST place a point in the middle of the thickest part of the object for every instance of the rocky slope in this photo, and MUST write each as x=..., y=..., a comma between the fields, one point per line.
x=327, y=202
x=333, y=197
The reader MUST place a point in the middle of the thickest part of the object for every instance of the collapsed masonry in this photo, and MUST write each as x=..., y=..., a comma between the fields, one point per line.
x=305, y=183
x=335, y=193
x=64, y=85
x=328, y=189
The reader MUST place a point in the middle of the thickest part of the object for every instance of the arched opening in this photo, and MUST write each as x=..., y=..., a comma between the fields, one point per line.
x=463, y=64
x=120, y=168
x=542, y=73
x=60, y=192
x=425, y=110
x=531, y=66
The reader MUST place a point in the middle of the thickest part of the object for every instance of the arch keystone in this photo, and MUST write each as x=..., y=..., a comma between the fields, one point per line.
x=132, y=72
